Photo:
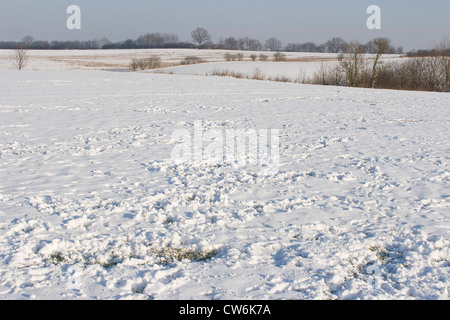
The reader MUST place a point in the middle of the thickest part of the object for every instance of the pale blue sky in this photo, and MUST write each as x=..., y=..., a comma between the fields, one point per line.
x=413, y=24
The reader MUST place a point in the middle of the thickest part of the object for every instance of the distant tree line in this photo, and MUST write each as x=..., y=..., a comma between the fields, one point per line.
x=147, y=41
x=32, y=44
x=429, y=53
x=200, y=39
x=338, y=45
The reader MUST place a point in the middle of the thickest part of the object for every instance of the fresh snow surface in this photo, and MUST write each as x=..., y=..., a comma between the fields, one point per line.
x=93, y=207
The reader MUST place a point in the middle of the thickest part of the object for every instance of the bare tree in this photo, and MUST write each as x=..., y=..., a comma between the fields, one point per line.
x=150, y=40
x=230, y=43
x=200, y=36
x=382, y=46
x=103, y=41
x=443, y=47
x=309, y=46
x=170, y=38
x=353, y=63
x=321, y=48
x=294, y=47
x=273, y=44
x=370, y=47
x=20, y=57
x=28, y=41
x=335, y=45
x=242, y=43
x=254, y=45
x=444, y=56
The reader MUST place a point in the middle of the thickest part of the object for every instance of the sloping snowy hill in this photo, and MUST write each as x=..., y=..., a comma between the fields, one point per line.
x=92, y=205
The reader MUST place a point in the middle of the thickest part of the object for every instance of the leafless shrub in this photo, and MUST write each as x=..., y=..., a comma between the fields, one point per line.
x=301, y=78
x=253, y=57
x=263, y=57
x=134, y=65
x=153, y=63
x=431, y=78
x=445, y=65
x=278, y=56
x=229, y=57
x=258, y=74
x=234, y=57
x=191, y=60
x=138, y=64
x=422, y=73
x=280, y=79
x=328, y=75
x=425, y=74
x=20, y=58
x=227, y=73
x=146, y=63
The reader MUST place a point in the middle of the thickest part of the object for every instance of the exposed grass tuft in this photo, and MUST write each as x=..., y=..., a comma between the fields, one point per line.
x=57, y=257
x=172, y=254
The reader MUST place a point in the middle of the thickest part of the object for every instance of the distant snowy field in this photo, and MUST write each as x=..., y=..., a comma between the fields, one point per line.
x=299, y=63
x=104, y=59
x=93, y=207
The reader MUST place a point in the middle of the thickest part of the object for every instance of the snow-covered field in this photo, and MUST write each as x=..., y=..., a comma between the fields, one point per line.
x=299, y=65
x=92, y=206
x=120, y=59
